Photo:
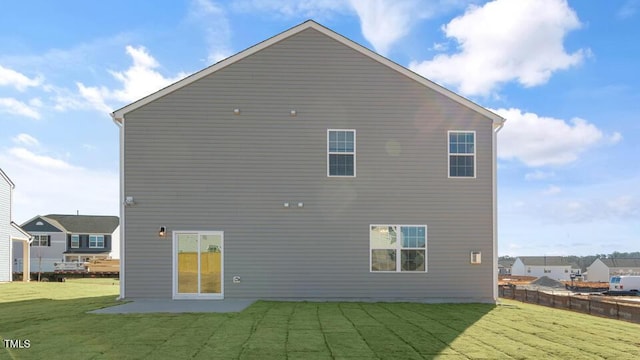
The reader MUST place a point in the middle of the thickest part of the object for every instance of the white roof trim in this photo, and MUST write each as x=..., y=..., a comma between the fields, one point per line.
x=6, y=177
x=119, y=114
x=51, y=222
x=16, y=227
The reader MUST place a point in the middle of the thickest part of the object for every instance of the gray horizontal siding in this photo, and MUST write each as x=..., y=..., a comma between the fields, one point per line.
x=191, y=164
x=55, y=251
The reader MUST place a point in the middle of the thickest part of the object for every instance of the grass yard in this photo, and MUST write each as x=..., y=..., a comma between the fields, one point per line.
x=53, y=317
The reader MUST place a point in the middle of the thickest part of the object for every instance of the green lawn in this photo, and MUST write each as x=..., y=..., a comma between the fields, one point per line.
x=53, y=317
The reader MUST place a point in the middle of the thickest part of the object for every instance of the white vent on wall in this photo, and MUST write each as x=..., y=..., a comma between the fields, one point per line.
x=476, y=257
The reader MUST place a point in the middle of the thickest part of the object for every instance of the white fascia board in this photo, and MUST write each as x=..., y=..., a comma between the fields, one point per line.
x=25, y=235
x=6, y=177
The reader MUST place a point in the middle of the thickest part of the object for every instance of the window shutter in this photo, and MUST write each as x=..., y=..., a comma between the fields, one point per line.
x=107, y=241
x=48, y=240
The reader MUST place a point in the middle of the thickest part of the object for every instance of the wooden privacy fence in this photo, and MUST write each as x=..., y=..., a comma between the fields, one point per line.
x=594, y=305
x=209, y=262
x=210, y=271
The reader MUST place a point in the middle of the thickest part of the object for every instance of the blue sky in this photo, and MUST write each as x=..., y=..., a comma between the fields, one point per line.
x=565, y=74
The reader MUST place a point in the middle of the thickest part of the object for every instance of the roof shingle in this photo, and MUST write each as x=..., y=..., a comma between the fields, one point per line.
x=86, y=224
x=545, y=260
x=622, y=262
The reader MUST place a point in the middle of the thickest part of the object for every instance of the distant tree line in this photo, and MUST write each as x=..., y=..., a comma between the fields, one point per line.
x=584, y=261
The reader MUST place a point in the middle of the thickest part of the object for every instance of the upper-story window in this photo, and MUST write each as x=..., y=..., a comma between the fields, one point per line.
x=75, y=241
x=341, y=152
x=96, y=241
x=41, y=240
x=462, y=154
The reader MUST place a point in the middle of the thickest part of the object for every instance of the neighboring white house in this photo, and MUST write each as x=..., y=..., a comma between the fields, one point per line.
x=69, y=238
x=504, y=266
x=9, y=231
x=604, y=269
x=554, y=267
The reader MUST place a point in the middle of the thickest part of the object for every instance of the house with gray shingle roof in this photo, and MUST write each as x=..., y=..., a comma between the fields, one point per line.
x=70, y=238
x=554, y=267
x=604, y=269
x=308, y=167
x=504, y=266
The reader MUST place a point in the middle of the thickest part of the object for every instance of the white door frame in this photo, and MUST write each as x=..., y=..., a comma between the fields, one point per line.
x=174, y=268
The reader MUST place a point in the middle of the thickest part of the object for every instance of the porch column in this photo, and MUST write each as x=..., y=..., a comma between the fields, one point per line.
x=26, y=261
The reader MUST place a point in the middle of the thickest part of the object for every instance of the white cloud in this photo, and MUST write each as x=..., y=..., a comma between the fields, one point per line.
x=138, y=81
x=505, y=41
x=17, y=107
x=212, y=18
x=594, y=208
x=9, y=77
x=64, y=99
x=552, y=190
x=36, y=102
x=539, y=141
x=624, y=206
x=383, y=22
x=26, y=140
x=439, y=47
x=95, y=96
x=628, y=9
x=615, y=201
x=539, y=175
x=141, y=79
x=41, y=161
x=46, y=184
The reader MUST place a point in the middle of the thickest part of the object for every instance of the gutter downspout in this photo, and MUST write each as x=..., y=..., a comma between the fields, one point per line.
x=120, y=123
x=496, y=128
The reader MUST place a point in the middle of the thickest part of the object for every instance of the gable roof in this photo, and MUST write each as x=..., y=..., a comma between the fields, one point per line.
x=506, y=262
x=622, y=262
x=48, y=225
x=545, y=260
x=86, y=224
x=118, y=115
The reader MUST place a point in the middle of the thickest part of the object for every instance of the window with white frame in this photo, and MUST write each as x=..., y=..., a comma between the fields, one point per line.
x=75, y=241
x=40, y=240
x=341, y=153
x=462, y=154
x=398, y=248
x=96, y=241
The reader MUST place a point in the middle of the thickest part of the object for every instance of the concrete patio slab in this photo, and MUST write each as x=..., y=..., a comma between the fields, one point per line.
x=138, y=306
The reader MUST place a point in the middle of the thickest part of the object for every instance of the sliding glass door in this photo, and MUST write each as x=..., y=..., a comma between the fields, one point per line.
x=198, y=264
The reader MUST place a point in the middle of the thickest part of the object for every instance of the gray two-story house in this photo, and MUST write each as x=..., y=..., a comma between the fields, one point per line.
x=70, y=238
x=308, y=167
